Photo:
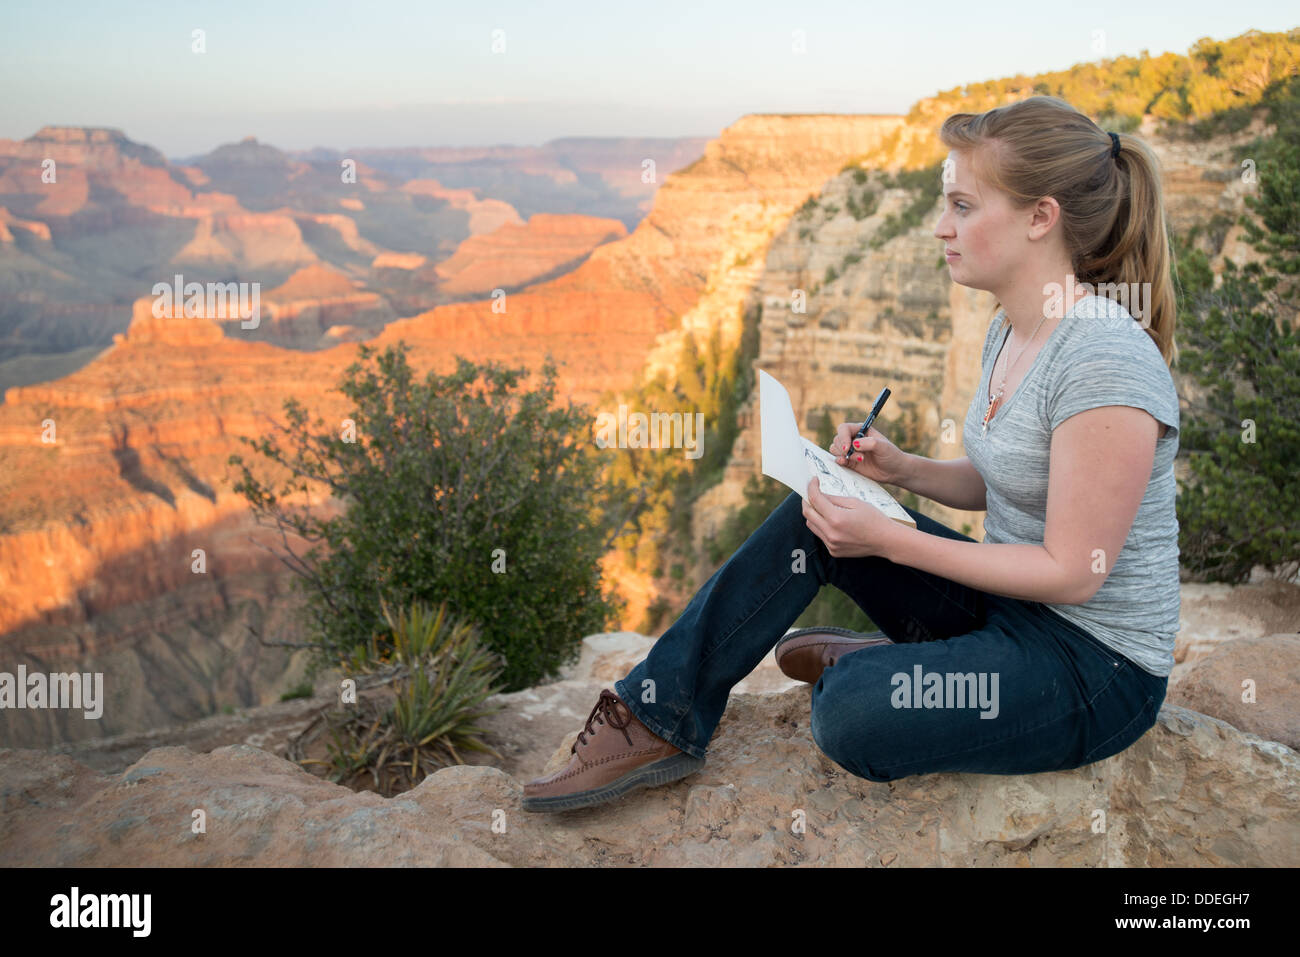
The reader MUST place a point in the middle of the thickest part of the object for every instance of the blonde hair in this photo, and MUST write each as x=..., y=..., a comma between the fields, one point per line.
x=1112, y=209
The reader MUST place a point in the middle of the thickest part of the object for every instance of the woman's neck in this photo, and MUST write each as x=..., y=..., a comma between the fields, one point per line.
x=1029, y=308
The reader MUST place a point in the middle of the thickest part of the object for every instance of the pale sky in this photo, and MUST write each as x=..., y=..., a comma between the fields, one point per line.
x=299, y=74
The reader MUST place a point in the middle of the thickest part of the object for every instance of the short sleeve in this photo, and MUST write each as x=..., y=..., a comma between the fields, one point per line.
x=1112, y=364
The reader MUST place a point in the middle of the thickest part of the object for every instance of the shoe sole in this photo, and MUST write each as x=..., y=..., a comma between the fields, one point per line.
x=660, y=772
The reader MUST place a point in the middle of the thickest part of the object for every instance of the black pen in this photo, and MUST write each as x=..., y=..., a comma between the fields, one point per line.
x=875, y=411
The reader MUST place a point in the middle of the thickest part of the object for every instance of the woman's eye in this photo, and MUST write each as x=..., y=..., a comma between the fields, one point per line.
x=961, y=206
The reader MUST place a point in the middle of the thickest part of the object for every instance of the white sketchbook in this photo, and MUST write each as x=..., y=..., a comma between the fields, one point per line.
x=793, y=461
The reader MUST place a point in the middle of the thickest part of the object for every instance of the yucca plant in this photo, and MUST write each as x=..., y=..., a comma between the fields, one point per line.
x=440, y=675
x=449, y=675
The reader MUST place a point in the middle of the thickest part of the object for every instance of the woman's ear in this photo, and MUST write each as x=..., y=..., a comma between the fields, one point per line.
x=1043, y=216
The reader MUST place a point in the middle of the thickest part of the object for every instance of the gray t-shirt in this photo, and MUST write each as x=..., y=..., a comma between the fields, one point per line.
x=1098, y=354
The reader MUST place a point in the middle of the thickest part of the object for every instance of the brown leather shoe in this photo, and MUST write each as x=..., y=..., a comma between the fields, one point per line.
x=615, y=753
x=805, y=653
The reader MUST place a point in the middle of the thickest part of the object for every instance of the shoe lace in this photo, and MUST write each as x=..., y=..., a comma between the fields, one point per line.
x=605, y=711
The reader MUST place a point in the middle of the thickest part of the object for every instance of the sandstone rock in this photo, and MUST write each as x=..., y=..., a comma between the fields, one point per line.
x=1213, y=613
x=1213, y=686
x=1192, y=791
x=525, y=731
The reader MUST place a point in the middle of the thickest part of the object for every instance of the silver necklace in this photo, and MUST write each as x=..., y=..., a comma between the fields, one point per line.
x=996, y=400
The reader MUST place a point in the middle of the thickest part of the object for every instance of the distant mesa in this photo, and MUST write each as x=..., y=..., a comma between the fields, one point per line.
x=406, y=261
x=485, y=215
x=171, y=329
x=516, y=255
x=96, y=146
x=313, y=282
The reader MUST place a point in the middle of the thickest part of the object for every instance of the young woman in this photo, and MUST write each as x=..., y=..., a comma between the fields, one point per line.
x=1044, y=647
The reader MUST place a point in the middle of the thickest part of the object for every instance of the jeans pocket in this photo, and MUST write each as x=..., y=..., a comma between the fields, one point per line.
x=1095, y=645
x=1129, y=734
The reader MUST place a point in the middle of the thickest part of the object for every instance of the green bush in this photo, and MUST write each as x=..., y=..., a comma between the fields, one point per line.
x=926, y=185
x=303, y=689
x=456, y=489
x=861, y=209
x=1240, y=506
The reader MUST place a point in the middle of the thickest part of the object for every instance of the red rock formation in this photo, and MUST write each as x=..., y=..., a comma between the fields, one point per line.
x=485, y=215
x=312, y=282
x=107, y=514
x=249, y=243
x=10, y=222
x=515, y=255
x=319, y=306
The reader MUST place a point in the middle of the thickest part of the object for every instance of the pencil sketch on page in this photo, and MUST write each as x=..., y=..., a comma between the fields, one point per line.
x=792, y=460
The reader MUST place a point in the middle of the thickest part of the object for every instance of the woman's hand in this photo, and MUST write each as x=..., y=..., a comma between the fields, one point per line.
x=874, y=456
x=850, y=528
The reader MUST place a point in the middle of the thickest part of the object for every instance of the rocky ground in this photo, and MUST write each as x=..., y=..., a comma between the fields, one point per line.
x=1193, y=791
x=1215, y=782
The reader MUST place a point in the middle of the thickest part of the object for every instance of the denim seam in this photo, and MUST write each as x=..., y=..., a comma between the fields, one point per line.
x=1090, y=640
x=1087, y=758
x=673, y=736
x=676, y=739
x=740, y=624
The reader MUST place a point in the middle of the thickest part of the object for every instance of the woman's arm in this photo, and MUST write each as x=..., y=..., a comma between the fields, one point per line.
x=952, y=482
x=1101, y=461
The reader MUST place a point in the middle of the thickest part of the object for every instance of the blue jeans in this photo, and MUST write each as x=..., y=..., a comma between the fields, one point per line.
x=976, y=682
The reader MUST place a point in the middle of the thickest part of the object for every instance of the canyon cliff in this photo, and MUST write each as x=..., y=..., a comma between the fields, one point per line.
x=114, y=475
x=90, y=220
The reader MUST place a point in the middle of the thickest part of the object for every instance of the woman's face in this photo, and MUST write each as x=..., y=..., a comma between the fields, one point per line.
x=979, y=226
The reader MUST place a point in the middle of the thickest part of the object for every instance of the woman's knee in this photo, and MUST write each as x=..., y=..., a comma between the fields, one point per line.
x=847, y=733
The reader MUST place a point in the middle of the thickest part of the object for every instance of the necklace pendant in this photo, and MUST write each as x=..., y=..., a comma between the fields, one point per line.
x=988, y=414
